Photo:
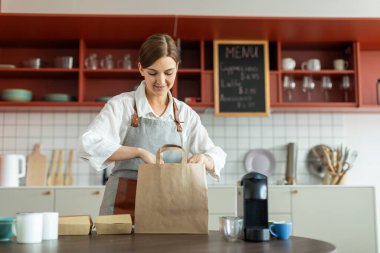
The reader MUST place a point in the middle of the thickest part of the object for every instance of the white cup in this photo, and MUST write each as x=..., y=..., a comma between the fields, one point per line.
x=288, y=64
x=311, y=64
x=12, y=168
x=50, y=226
x=340, y=64
x=28, y=227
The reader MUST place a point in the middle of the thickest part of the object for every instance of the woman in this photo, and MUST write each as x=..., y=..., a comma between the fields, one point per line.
x=134, y=125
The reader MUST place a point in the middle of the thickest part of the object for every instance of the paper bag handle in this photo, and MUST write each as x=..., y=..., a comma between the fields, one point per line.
x=166, y=147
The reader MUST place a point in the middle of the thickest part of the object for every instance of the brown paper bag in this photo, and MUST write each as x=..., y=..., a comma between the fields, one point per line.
x=171, y=197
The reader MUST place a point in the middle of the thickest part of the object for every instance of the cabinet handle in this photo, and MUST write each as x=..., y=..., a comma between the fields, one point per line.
x=294, y=191
x=96, y=193
x=48, y=193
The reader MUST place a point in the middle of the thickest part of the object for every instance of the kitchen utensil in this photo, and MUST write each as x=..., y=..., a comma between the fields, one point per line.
x=261, y=161
x=12, y=168
x=288, y=64
x=59, y=179
x=34, y=63
x=311, y=64
x=64, y=62
x=103, y=99
x=125, y=63
x=7, y=66
x=91, y=62
x=346, y=87
x=340, y=64
x=326, y=85
x=51, y=176
x=17, y=95
x=58, y=97
x=69, y=173
x=289, y=84
x=291, y=164
x=107, y=62
x=36, y=168
x=308, y=86
x=232, y=228
x=6, y=228
x=315, y=161
x=28, y=227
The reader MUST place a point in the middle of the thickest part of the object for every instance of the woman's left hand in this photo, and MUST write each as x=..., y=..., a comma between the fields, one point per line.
x=202, y=159
x=198, y=158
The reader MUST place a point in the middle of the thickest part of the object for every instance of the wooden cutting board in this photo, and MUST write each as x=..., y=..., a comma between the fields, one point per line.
x=36, y=168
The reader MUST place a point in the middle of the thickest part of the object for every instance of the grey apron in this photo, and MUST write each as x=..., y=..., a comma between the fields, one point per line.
x=150, y=134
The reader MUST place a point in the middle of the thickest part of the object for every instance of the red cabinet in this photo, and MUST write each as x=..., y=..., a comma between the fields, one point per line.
x=50, y=36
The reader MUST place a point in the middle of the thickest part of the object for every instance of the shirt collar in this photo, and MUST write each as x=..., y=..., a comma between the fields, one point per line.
x=143, y=107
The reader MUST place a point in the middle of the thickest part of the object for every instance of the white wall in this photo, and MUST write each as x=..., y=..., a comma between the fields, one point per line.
x=296, y=8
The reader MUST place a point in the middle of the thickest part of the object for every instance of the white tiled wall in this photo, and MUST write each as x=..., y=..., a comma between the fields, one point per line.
x=19, y=131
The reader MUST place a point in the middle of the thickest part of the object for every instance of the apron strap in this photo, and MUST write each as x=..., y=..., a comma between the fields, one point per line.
x=176, y=118
x=135, y=117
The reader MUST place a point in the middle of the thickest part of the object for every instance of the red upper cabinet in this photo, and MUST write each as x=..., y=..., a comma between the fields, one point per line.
x=108, y=40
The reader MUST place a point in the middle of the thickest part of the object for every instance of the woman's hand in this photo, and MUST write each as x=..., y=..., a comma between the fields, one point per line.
x=147, y=157
x=202, y=159
x=126, y=153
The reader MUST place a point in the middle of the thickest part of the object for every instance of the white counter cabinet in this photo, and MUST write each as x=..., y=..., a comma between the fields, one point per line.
x=65, y=200
x=342, y=215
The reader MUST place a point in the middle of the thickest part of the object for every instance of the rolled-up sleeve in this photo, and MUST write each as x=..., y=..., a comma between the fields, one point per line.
x=102, y=137
x=200, y=142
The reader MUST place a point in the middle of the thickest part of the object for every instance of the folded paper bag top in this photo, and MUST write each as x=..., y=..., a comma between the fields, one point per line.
x=113, y=224
x=75, y=225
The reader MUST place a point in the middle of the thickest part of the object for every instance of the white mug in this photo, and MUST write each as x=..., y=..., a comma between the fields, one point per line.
x=50, y=226
x=12, y=167
x=288, y=64
x=28, y=227
x=312, y=64
x=340, y=64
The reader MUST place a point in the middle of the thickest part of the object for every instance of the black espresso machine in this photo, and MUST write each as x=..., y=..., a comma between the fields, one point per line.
x=252, y=205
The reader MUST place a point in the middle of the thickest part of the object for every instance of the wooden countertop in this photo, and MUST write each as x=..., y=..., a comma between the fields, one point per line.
x=143, y=243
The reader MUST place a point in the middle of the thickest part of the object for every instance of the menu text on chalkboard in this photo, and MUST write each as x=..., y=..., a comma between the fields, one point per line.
x=241, y=81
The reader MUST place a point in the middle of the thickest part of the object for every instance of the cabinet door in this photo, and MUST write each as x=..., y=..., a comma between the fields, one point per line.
x=344, y=216
x=221, y=202
x=25, y=200
x=279, y=204
x=79, y=201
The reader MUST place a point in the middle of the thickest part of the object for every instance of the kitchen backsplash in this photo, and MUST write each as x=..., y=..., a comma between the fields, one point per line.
x=19, y=132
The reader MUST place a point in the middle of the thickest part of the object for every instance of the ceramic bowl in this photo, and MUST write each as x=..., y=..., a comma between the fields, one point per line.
x=103, y=99
x=17, y=95
x=6, y=228
x=57, y=97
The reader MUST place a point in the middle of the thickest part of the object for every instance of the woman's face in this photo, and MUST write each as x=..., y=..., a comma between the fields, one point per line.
x=160, y=76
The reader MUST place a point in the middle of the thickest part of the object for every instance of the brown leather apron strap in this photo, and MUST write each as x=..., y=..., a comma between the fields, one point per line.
x=126, y=197
x=176, y=117
x=135, y=117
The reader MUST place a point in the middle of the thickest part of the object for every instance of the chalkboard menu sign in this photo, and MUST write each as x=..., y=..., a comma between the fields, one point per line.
x=241, y=78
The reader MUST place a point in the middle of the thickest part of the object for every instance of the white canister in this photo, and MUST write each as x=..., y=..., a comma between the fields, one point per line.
x=12, y=168
x=50, y=226
x=28, y=227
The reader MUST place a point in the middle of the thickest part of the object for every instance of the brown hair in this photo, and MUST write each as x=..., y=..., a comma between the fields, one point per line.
x=157, y=46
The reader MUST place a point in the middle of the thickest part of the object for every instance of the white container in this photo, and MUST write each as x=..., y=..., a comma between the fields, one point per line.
x=50, y=226
x=12, y=168
x=28, y=227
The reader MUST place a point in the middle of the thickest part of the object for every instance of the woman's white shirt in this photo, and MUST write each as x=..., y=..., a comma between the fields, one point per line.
x=107, y=131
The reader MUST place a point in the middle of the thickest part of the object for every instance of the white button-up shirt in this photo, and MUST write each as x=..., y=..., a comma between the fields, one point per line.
x=108, y=130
